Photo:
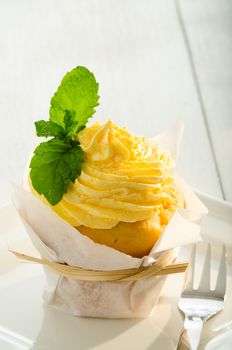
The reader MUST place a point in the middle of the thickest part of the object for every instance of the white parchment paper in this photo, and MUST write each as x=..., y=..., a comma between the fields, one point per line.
x=56, y=240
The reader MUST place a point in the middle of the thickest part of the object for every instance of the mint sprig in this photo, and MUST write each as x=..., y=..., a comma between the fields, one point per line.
x=58, y=162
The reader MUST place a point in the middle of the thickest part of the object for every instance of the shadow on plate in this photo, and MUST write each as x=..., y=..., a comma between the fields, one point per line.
x=62, y=331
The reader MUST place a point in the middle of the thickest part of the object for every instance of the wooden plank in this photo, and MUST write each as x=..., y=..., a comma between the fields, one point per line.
x=209, y=29
x=137, y=53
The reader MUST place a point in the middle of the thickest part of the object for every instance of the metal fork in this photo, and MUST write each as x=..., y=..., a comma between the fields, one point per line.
x=198, y=305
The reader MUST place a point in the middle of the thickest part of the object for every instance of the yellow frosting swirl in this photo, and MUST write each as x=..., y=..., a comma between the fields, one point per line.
x=123, y=178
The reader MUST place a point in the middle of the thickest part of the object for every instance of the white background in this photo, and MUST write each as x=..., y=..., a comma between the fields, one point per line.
x=156, y=61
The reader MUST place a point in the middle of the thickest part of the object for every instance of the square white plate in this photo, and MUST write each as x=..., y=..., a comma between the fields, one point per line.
x=26, y=324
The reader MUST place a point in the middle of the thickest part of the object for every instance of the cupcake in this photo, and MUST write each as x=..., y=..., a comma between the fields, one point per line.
x=124, y=195
x=103, y=199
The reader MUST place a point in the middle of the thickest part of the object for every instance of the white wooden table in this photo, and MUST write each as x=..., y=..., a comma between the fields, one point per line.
x=156, y=60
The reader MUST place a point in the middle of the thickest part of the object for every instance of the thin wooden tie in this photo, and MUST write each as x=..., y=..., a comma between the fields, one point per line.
x=161, y=267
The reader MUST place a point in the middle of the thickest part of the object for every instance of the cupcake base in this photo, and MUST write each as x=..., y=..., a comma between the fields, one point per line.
x=135, y=239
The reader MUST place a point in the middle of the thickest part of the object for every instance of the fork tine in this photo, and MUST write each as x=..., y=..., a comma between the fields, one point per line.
x=221, y=279
x=204, y=285
x=190, y=272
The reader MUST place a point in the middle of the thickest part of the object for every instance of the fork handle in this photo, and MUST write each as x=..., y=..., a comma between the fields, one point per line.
x=191, y=334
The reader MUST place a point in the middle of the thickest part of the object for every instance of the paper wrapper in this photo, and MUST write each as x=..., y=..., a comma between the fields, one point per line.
x=56, y=240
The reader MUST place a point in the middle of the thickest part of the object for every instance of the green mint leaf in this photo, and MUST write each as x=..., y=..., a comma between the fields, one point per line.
x=54, y=165
x=48, y=128
x=78, y=94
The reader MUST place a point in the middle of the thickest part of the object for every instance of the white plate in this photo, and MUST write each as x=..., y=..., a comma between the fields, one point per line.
x=25, y=324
